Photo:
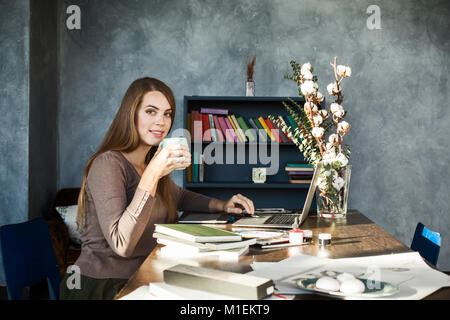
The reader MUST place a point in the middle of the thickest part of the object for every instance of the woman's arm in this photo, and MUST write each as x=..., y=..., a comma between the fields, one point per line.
x=122, y=224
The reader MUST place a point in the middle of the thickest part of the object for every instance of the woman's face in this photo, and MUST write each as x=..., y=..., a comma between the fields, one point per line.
x=153, y=118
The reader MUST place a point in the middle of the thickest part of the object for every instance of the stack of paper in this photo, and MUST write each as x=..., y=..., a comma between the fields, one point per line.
x=413, y=277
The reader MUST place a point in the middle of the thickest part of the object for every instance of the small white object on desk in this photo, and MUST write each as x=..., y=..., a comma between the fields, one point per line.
x=352, y=286
x=324, y=239
x=328, y=283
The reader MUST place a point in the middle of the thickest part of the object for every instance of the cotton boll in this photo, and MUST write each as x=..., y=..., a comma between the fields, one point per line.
x=352, y=286
x=345, y=276
x=328, y=283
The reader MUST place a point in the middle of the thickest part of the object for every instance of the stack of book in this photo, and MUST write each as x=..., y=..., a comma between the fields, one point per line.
x=218, y=125
x=195, y=240
x=299, y=172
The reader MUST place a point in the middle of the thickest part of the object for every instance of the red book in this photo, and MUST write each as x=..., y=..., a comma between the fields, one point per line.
x=223, y=127
x=283, y=137
x=231, y=129
x=218, y=130
x=197, y=126
x=206, y=131
x=272, y=129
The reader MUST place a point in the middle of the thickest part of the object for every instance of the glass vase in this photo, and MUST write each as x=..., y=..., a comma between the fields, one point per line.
x=332, y=191
x=250, y=89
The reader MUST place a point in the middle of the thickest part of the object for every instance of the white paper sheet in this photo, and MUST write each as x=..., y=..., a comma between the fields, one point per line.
x=408, y=271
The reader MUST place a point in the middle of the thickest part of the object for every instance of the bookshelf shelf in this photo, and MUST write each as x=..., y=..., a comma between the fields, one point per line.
x=240, y=185
x=223, y=180
x=287, y=144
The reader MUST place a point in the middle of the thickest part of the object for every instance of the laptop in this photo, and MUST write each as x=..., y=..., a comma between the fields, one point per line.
x=202, y=217
x=281, y=218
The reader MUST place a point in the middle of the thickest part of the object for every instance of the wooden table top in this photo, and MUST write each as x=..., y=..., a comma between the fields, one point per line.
x=354, y=236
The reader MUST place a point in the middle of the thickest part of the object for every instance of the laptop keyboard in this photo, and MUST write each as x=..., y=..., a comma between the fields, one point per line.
x=282, y=219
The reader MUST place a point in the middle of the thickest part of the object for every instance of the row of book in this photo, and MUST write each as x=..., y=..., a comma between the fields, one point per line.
x=187, y=240
x=299, y=172
x=217, y=125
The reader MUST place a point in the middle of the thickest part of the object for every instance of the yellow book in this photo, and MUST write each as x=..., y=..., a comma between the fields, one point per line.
x=239, y=129
x=235, y=129
x=264, y=125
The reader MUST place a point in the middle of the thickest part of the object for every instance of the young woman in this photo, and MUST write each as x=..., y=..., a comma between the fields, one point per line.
x=126, y=190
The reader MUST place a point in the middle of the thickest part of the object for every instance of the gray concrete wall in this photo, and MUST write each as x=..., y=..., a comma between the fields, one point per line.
x=14, y=115
x=397, y=97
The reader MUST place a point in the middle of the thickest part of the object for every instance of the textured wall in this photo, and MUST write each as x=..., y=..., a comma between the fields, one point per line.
x=14, y=75
x=397, y=97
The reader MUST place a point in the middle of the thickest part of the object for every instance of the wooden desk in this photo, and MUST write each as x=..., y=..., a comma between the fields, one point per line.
x=354, y=236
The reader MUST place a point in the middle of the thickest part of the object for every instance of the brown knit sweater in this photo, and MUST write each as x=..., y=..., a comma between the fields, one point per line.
x=120, y=218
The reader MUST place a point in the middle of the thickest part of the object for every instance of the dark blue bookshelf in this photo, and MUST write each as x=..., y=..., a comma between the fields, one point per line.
x=224, y=180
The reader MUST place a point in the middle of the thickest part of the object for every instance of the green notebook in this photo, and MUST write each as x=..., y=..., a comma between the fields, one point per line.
x=197, y=233
x=245, y=128
x=299, y=165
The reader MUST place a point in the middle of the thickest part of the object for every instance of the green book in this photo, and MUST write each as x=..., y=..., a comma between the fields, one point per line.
x=249, y=134
x=261, y=129
x=299, y=165
x=292, y=122
x=262, y=138
x=197, y=233
x=195, y=162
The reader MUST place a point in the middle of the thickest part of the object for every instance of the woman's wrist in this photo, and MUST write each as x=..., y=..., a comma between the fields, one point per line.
x=216, y=205
x=149, y=182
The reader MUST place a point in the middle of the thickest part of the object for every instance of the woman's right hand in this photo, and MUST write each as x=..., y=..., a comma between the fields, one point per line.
x=164, y=161
x=170, y=158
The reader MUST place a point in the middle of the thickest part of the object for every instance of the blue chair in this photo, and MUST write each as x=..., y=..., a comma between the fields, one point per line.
x=427, y=243
x=28, y=257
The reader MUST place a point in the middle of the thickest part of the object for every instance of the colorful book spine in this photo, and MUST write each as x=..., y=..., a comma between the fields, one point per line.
x=300, y=173
x=189, y=174
x=245, y=128
x=301, y=165
x=189, y=124
x=272, y=130
x=264, y=125
x=230, y=129
x=212, y=127
x=261, y=132
x=292, y=122
x=197, y=126
x=239, y=129
x=286, y=125
x=206, y=131
x=233, y=128
x=281, y=134
x=195, y=160
x=214, y=111
x=225, y=131
x=219, y=133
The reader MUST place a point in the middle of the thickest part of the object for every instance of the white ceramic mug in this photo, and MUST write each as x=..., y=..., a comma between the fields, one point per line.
x=176, y=140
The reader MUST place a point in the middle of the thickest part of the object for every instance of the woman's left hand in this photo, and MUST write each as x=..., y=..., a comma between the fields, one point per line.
x=237, y=203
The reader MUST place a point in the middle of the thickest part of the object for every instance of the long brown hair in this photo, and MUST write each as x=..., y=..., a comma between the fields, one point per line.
x=123, y=136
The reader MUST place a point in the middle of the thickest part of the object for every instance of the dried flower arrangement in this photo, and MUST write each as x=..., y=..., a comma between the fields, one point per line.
x=312, y=122
x=250, y=68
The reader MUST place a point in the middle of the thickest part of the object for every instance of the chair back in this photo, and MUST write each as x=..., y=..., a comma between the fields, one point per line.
x=427, y=243
x=28, y=257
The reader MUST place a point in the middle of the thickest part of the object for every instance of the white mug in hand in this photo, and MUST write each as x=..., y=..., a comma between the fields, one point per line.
x=170, y=141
